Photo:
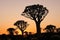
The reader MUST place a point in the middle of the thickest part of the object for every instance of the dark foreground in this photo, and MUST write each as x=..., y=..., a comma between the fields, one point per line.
x=43, y=36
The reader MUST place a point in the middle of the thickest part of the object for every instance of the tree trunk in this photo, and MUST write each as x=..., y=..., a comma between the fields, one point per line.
x=22, y=33
x=21, y=30
x=38, y=29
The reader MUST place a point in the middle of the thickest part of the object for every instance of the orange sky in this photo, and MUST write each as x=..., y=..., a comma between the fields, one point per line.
x=10, y=11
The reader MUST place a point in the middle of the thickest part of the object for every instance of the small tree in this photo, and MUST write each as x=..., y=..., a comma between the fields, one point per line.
x=22, y=25
x=36, y=13
x=11, y=31
x=50, y=28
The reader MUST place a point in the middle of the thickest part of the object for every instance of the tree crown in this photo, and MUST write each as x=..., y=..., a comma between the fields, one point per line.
x=21, y=24
x=35, y=12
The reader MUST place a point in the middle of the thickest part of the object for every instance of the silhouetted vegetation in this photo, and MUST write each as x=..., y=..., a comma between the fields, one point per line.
x=11, y=31
x=36, y=13
x=22, y=25
x=50, y=28
x=58, y=30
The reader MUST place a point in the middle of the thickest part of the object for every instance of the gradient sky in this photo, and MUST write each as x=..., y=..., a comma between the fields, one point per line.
x=10, y=12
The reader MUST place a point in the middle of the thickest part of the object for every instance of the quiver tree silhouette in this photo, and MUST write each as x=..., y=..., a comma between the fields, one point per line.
x=50, y=28
x=21, y=24
x=11, y=31
x=36, y=13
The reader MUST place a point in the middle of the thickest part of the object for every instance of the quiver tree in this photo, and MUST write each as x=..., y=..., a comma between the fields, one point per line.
x=21, y=24
x=36, y=13
x=50, y=28
x=11, y=31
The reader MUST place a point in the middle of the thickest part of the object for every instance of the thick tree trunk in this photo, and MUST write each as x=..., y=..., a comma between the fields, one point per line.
x=38, y=29
x=22, y=33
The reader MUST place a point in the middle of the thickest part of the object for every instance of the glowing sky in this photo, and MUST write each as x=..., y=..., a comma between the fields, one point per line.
x=10, y=11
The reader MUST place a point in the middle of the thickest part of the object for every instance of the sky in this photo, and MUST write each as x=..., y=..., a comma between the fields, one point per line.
x=10, y=12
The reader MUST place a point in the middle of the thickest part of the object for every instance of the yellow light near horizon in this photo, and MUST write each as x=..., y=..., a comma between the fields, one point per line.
x=10, y=12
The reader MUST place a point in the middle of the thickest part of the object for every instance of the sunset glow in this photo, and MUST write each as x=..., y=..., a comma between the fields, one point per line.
x=10, y=12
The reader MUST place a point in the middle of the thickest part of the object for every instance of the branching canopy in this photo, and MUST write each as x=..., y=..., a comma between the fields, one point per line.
x=10, y=29
x=35, y=12
x=21, y=24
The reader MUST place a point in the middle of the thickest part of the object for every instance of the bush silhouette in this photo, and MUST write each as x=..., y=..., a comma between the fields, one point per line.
x=11, y=31
x=50, y=28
